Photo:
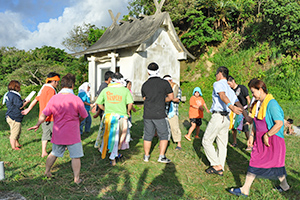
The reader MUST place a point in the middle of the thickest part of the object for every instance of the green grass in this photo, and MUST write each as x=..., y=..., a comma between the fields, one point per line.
x=184, y=178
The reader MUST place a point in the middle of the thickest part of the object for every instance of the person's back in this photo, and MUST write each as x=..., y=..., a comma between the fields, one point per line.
x=115, y=100
x=65, y=109
x=155, y=90
x=13, y=104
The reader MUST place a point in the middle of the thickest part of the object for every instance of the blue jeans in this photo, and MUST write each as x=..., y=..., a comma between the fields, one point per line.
x=86, y=123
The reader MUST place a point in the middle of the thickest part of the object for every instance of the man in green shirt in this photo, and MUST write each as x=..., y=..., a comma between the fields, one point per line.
x=116, y=101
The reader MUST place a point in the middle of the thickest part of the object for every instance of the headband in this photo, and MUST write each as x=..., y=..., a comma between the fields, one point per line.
x=55, y=78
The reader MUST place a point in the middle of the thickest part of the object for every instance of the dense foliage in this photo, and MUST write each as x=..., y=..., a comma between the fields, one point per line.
x=31, y=68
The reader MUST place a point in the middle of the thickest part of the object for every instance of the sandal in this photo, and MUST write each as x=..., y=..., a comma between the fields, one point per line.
x=237, y=192
x=119, y=158
x=186, y=137
x=178, y=148
x=234, y=145
x=212, y=170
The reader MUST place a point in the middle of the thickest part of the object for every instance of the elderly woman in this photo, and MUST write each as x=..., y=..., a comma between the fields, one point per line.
x=84, y=94
x=14, y=105
x=268, y=154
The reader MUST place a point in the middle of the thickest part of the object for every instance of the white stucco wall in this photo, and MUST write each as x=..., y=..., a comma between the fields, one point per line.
x=161, y=50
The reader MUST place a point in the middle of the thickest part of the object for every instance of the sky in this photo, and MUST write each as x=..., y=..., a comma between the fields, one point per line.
x=27, y=24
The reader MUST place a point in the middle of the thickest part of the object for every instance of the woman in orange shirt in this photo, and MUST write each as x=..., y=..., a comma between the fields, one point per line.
x=196, y=112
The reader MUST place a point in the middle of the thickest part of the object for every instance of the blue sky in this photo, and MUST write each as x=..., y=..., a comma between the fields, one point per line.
x=27, y=24
x=35, y=11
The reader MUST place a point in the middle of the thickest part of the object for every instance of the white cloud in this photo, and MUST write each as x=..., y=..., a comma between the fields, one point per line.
x=51, y=33
x=11, y=29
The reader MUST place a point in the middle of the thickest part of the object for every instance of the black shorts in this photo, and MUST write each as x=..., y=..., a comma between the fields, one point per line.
x=197, y=121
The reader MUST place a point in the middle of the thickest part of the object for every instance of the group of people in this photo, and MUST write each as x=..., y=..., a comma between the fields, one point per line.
x=161, y=96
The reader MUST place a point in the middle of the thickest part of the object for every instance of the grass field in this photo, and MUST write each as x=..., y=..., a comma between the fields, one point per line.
x=132, y=178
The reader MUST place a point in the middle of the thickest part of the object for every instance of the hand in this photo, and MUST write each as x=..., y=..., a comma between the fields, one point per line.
x=96, y=115
x=208, y=111
x=237, y=110
x=266, y=140
x=128, y=113
x=36, y=127
x=25, y=112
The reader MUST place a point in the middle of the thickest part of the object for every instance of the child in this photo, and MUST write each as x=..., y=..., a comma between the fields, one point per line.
x=13, y=116
x=128, y=85
x=196, y=112
x=83, y=93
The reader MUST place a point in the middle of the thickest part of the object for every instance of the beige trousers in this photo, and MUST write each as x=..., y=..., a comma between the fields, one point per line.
x=217, y=130
x=175, y=130
x=15, y=128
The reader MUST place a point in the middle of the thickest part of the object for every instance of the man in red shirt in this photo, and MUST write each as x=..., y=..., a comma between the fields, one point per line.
x=46, y=92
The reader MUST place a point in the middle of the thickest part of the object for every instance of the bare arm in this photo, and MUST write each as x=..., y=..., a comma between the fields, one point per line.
x=41, y=120
x=277, y=126
x=233, y=108
x=251, y=137
x=207, y=110
x=86, y=103
x=27, y=110
x=81, y=119
x=248, y=100
x=170, y=97
x=244, y=112
x=129, y=108
x=24, y=104
x=176, y=100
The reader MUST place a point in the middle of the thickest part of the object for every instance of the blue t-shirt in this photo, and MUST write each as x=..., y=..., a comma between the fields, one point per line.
x=84, y=97
x=218, y=104
x=13, y=104
x=274, y=112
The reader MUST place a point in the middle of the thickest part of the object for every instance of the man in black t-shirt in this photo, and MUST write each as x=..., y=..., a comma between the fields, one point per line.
x=243, y=95
x=156, y=92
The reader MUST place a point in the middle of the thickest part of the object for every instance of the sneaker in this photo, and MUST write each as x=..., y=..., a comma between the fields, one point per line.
x=163, y=160
x=146, y=158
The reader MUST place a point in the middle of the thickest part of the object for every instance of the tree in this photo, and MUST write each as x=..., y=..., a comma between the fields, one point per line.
x=201, y=31
x=145, y=7
x=282, y=18
x=82, y=37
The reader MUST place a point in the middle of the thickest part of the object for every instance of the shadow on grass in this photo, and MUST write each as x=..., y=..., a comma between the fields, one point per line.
x=197, y=144
x=161, y=186
x=31, y=141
